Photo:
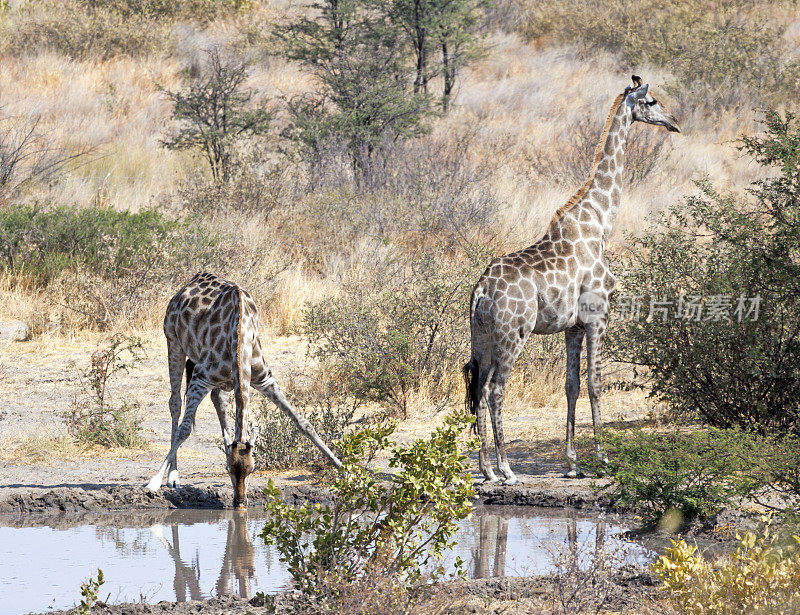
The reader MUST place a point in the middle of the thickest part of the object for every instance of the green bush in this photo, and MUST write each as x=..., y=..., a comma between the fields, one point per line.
x=41, y=243
x=719, y=276
x=100, y=263
x=92, y=418
x=402, y=327
x=686, y=472
x=696, y=474
x=386, y=529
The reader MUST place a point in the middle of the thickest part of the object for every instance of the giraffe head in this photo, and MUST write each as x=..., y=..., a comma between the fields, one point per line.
x=645, y=108
x=239, y=457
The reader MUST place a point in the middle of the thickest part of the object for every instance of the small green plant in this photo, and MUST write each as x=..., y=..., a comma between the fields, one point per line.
x=762, y=575
x=89, y=591
x=92, y=418
x=375, y=528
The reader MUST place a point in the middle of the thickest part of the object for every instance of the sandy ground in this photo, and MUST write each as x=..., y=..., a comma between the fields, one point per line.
x=41, y=472
x=40, y=379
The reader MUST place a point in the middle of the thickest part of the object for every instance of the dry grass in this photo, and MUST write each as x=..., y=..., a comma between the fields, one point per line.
x=46, y=449
x=525, y=105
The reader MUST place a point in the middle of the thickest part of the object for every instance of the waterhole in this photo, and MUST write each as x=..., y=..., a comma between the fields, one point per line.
x=193, y=554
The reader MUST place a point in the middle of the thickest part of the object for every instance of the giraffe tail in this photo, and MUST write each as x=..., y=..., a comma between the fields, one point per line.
x=236, y=355
x=189, y=369
x=472, y=386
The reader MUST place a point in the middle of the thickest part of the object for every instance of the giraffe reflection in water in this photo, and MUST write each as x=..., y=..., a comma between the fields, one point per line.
x=489, y=552
x=238, y=563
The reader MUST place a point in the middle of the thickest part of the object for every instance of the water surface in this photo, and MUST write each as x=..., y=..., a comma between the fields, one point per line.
x=192, y=554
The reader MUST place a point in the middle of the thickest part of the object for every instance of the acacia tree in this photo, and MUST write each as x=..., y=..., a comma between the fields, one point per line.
x=446, y=27
x=215, y=113
x=360, y=61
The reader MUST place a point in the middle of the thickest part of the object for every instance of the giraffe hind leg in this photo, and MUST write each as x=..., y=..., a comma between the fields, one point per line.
x=573, y=339
x=483, y=377
x=496, y=391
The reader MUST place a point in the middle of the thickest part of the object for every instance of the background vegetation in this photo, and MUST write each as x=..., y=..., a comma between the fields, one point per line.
x=357, y=164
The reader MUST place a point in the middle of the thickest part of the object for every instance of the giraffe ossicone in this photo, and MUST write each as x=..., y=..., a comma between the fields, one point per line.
x=211, y=326
x=560, y=283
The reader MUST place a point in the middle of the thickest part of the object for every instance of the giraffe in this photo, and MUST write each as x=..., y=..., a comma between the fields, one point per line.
x=211, y=326
x=560, y=283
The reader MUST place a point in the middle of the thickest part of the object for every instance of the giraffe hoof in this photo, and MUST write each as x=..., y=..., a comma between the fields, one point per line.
x=491, y=481
x=153, y=486
x=511, y=481
x=574, y=473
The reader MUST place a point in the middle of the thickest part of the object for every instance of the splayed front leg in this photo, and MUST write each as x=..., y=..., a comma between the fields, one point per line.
x=198, y=389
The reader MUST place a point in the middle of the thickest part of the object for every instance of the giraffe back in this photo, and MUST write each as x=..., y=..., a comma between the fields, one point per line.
x=215, y=323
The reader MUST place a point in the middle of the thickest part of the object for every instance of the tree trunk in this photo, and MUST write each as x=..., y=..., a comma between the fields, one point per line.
x=449, y=72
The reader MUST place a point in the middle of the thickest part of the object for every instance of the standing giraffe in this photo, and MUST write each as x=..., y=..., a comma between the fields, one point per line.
x=211, y=327
x=560, y=283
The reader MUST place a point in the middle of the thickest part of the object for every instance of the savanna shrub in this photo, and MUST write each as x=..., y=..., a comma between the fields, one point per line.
x=93, y=418
x=388, y=528
x=695, y=474
x=688, y=472
x=718, y=276
x=762, y=575
x=281, y=445
x=403, y=325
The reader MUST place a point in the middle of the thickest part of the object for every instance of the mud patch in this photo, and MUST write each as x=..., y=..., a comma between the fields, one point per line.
x=549, y=493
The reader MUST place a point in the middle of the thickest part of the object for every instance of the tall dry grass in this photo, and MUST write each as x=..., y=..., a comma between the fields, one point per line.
x=515, y=146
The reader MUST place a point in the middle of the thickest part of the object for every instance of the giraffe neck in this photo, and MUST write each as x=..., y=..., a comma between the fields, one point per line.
x=602, y=190
x=605, y=187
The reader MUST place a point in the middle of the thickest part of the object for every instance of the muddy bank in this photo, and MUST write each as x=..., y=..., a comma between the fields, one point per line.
x=96, y=498
x=553, y=493
x=623, y=590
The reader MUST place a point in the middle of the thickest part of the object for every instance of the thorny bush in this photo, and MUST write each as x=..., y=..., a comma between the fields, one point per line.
x=93, y=418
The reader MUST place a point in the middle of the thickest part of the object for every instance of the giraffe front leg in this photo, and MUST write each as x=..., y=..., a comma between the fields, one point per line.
x=574, y=341
x=195, y=394
x=595, y=333
x=173, y=480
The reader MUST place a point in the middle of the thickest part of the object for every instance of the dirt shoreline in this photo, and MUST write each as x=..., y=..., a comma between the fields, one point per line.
x=98, y=497
x=627, y=589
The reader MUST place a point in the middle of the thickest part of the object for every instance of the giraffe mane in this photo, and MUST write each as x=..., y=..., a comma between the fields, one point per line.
x=598, y=155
